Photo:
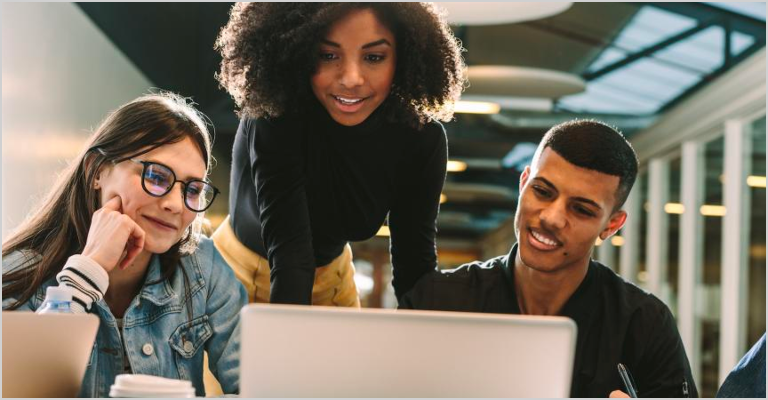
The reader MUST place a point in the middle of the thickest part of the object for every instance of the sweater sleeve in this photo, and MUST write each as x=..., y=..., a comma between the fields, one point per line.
x=277, y=165
x=413, y=216
x=87, y=281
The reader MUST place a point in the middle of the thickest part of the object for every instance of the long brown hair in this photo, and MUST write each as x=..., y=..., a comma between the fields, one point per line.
x=59, y=227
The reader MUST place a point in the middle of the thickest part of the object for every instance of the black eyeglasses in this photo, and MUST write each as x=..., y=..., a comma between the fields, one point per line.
x=158, y=180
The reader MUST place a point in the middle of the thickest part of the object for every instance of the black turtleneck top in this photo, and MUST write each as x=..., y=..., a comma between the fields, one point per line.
x=301, y=188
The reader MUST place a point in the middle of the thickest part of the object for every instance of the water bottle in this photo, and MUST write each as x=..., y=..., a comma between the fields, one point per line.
x=58, y=300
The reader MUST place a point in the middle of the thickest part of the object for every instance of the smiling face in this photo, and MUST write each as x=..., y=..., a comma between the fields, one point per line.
x=163, y=219
x=356, y=67
x=562, y=210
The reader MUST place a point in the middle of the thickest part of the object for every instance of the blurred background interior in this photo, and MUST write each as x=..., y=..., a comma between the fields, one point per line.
x=685, y=82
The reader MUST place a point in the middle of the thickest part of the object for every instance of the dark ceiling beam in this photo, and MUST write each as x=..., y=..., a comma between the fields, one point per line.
x=146, y=34
x=172, y=45
x=569, y=34
x=728, y=43
x=648, y=51
x=208, y=24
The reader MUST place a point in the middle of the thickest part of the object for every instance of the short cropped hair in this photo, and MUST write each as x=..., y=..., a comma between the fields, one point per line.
x=596, y=146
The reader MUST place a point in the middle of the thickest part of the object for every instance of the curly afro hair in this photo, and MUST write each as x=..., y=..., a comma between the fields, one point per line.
x=269, y=52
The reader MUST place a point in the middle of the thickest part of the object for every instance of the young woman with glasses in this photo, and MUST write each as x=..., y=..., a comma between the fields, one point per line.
x=340, y=106
x=122, y=230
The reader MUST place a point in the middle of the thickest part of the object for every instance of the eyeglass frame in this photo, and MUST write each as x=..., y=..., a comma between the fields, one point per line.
x=175, y=181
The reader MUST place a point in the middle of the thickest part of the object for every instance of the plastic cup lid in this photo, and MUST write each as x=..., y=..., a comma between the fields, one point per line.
x=145, y=383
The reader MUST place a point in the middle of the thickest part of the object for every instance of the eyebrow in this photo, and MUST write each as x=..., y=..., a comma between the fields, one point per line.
x=365, y=46
x=579, y=199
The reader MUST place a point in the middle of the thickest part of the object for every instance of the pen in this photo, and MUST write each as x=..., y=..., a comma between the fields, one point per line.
x=627, y=379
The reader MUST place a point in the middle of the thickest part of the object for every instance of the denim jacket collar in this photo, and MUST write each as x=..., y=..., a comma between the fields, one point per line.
x=160, y=293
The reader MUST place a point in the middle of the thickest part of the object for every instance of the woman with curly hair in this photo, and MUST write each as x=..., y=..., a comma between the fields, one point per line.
x=339, y=107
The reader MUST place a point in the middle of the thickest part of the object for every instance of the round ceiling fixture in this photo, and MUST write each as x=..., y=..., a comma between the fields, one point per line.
x=470, y=13
x=498, y=80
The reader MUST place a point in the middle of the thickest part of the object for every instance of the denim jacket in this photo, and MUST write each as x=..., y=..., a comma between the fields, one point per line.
x=160, y=337
x=748, y=376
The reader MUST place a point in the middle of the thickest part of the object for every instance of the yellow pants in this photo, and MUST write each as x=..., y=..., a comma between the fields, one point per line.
x=334, y=283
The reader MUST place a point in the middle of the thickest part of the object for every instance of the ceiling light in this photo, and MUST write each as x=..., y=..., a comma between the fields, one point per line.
x=752, y=180
x=506, y=80
x=712, y=211
x=443, y=198
x=456, y=166
x=708, y=210
x=674, y=208
x=756, y=181
x=471, y=13
x=476, y=107
x=617, y=241
x=513, y=103
x=383, y=231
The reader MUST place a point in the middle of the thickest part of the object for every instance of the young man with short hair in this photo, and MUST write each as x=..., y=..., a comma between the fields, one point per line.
x=570, y=195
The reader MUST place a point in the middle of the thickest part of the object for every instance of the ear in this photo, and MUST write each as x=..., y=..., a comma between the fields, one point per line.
x=97, y=181
x=88, y=162
x=615, y=223
x=102, y=174
x=524, y=177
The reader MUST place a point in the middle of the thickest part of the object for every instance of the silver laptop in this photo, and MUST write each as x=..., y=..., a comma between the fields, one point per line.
x=46, y=355
x=300, y=351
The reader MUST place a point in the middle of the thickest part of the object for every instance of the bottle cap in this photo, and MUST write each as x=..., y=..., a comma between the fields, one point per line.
x=58, y=293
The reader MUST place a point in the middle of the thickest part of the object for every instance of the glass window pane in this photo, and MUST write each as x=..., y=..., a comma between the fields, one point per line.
x=740, y=41
x=650, y=26
x=702, y=52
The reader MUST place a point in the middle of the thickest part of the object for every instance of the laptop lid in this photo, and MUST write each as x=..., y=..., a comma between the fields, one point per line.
x=46, y=355
x=299, y=351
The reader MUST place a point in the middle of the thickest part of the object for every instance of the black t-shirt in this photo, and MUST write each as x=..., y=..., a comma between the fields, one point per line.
x=617, y=323
x=301, y=188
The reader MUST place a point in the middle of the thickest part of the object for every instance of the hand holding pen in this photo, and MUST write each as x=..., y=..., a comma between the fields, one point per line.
x=629, y=384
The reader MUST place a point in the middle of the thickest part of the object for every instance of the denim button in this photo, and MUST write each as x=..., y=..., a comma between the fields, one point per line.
x=147, y=349
x=188, y=347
